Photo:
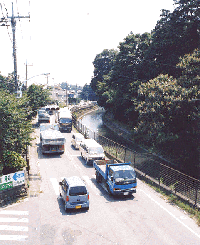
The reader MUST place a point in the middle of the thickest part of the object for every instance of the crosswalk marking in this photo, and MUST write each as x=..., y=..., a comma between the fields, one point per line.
x=24, y=220
x=13, y=238
x=88, y=180
x=7, y=219
x=13, y=228
x=55, y=185
x=14, y=212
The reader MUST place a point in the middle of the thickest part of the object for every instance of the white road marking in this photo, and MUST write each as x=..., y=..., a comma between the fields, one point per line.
x=196, y=234
x=88, y=180
x=24, y=220
x=13, y=238
x=55, y=185
x=14, y=212
x=13, y=228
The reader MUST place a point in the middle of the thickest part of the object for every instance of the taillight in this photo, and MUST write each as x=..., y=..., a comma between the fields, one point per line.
x=88, y=197
x=67, y=199
x=61, y=147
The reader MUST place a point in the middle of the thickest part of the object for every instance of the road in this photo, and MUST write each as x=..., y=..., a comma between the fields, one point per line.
x=144, y=218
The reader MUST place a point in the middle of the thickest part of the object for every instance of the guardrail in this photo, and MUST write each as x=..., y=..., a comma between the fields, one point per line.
x=149, y=166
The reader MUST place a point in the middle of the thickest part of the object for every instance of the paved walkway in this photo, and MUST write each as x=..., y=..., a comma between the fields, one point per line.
x=34, y=171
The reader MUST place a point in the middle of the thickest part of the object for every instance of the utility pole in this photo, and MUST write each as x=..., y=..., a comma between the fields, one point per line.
x=66, y=95
x=47, y=74
x=26, y=85
x=13, y=24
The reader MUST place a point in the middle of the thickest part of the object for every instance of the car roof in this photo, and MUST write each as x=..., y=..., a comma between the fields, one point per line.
x=78, y=134
x=74, y=181
x=91, y=142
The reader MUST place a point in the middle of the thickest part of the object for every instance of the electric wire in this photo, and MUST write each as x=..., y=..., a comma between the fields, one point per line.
x=6, y=19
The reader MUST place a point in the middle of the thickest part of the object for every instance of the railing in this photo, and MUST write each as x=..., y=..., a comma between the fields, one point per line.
x=149, y=166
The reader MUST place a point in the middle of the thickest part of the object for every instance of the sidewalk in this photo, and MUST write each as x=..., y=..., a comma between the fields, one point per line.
x=34, y=178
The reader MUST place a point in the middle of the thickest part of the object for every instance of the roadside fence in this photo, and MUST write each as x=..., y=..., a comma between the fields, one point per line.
x=149, y=167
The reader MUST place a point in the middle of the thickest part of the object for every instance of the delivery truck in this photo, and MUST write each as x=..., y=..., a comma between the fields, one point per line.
x=65, y=120
x=119, y=178
x=52, y=140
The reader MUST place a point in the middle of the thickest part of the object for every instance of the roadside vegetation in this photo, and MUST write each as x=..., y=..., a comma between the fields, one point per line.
x=151, y=84
x=16, y=115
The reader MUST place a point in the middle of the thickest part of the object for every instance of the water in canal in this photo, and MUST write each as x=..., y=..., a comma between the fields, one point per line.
x=94, y=122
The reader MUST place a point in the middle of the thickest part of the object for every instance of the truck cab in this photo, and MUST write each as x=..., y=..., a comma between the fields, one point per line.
x=120, y=178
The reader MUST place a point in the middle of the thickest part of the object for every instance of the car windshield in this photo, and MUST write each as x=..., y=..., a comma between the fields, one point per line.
x=77, y=190
x=65, y=120
x=124, y=174
x=49, y=126
x=94, y=150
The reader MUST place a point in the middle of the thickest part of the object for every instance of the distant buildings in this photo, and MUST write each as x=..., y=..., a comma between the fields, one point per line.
x=59, y=94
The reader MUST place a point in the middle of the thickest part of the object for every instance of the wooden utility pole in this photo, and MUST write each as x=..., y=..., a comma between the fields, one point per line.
x=13, y=24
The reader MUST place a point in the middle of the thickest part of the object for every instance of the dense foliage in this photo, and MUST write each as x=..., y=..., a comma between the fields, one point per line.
x=152, y=84
x=15, y=122
x=87, y=93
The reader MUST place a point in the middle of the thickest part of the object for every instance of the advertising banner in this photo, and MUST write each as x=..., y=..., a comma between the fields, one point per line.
x=12, y=180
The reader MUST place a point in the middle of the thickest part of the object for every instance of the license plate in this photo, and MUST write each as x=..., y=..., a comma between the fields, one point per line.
x=126, y=193
x=78, y=207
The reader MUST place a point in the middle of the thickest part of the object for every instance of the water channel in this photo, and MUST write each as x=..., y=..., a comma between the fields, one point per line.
x=94, y=122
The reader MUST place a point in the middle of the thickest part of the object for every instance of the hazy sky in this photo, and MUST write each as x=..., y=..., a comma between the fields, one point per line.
x=63, y=37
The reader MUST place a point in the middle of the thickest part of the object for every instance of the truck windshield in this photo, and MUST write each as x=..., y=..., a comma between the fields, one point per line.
x=124, y=174
x=78, y=190
x=96, y=150
x=65, y=120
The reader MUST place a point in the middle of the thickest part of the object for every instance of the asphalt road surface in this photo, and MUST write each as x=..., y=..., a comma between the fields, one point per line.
x=143, y=218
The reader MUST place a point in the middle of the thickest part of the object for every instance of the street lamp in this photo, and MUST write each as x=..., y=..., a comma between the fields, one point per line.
x=19, y=92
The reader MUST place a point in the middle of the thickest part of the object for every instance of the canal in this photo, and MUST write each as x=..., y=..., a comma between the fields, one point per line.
x=94, y=122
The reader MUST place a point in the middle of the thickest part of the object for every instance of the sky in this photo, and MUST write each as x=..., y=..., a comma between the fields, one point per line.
x=63, y=37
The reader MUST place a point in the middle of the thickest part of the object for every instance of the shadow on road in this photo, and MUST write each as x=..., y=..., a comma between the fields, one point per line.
x=109, y=197
x=68, y=212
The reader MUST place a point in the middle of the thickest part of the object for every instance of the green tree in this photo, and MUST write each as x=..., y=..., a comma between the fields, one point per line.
x=15, y=128
x=174, y=35
x=122, y=82
x=7, y=83
x=168, y=120
x=37, y=97
x=88, y=93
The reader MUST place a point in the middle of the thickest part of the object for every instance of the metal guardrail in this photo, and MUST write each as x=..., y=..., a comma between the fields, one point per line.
x=149, y=166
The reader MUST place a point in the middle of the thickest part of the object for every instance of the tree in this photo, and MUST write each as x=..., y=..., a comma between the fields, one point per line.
x=7, y=83
x=168, y=120
x=87, y=93
x=37, y=97
x=122, y=81
x=15, y=129
x=103, y=64
x=174, y=35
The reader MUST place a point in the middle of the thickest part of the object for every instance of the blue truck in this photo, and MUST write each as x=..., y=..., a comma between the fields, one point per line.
x=120, y=178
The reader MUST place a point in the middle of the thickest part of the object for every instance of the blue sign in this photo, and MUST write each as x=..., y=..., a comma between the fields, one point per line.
x=18, y=176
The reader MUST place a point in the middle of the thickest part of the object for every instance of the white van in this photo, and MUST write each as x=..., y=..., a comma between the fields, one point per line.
x=77, y=138
x=74, y=193
x=91, y=150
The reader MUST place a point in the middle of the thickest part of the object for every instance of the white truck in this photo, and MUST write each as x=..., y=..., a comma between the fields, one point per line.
x=52, y=140
x=65, y=120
